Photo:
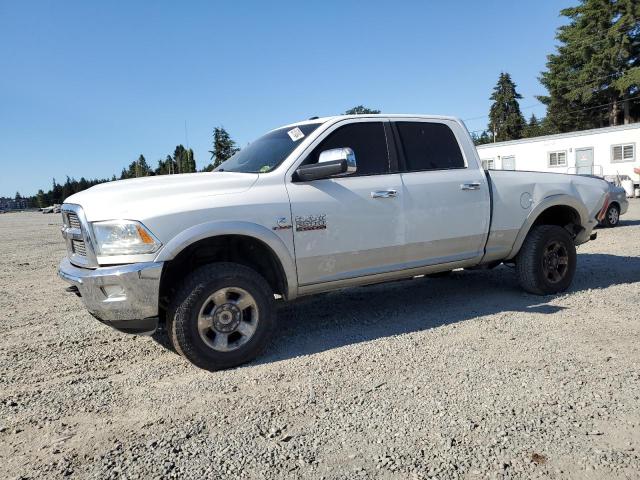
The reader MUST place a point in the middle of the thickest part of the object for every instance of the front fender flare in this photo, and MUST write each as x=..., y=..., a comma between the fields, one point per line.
x=217, y=228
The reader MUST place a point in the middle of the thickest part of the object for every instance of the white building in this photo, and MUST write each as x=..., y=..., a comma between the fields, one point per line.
x=607, y=151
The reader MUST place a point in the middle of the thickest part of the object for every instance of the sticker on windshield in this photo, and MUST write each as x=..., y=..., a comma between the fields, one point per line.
x=295, y=134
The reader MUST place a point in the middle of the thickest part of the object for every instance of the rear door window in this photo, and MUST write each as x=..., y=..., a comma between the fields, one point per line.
x=429, y=146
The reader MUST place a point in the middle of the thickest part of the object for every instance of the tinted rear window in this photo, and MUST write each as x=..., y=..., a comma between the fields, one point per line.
x=429, y=146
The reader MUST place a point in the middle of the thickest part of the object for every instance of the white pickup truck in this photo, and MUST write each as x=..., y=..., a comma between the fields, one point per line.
x=318, y=205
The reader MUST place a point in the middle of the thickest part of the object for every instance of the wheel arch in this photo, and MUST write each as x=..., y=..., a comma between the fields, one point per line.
x=264, y=251
x=561, y=210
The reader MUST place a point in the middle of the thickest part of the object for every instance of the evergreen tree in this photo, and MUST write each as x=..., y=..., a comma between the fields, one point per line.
x=190, y=162
x=56, y=193
x=184, y=160
x=533, y=128
x=41, y=199
x=481, y=139
x=223, y=148
x=137, y=168
x=167, y=166
x=361, y=110
x=505, y=119
x=594, y=76
x=142, y=169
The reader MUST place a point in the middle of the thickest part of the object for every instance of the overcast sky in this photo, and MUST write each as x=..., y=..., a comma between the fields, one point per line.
x=87, y=86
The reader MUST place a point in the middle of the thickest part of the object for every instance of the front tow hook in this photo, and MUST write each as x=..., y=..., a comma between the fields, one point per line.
x=73, y=289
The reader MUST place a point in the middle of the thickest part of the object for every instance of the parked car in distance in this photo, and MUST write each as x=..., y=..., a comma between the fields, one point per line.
x=618, y=202
x=618, y=205
x=314, y=206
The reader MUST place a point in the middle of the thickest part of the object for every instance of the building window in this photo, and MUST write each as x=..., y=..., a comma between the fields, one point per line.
x=509, y=162
x=488, y=164
x=557, y=159
x=623, y=153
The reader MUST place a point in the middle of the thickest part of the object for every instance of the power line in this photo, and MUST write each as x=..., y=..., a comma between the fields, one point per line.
x=539, y=103
x=580, y=110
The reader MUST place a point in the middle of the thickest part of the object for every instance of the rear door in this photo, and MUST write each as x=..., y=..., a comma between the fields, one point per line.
x=349, y=226
x=446, y=196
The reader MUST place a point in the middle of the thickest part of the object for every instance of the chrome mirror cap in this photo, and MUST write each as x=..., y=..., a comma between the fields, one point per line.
x=345, y=154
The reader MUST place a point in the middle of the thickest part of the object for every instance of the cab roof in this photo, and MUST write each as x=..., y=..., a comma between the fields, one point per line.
x=334, y=118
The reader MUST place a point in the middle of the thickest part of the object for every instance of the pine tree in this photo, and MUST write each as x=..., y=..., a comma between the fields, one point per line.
x=137, y=168
x=505, y=119
x=533, y=127
x=184, y=160
x=223, y=148
x=41, y=199
x=142, y=169
x=190, y=162
x=594, y=75
x=481, y=139
x=166, y=166
x=361, y=110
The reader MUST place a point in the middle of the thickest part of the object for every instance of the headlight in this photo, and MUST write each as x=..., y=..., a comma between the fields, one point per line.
x=123, y=237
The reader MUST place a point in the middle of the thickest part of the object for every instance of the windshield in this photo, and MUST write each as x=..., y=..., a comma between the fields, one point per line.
x=269, y=151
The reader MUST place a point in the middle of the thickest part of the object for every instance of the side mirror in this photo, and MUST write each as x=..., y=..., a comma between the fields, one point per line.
x=336, y=161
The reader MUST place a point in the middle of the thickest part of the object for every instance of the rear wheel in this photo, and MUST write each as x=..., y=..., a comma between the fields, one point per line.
x=546, y=262
x=612, y=217
x=444, y=274
x=222, y=317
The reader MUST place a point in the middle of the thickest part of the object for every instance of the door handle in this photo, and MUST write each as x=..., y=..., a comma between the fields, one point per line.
x=470, y=186
x=384, y=194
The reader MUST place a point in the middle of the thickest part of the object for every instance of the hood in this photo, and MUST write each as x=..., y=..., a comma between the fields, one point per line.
x=137, y=197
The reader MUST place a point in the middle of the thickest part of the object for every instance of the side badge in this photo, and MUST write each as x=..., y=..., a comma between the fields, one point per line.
x=282, y=224
x=311, y=222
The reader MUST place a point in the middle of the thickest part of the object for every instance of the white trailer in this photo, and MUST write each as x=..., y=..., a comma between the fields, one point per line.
x=610, y=151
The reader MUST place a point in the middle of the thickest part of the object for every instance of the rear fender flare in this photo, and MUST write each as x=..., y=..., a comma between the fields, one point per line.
x=548, y=202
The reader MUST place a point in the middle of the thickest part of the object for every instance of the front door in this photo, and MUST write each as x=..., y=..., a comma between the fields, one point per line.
x=584, y=161
x=446, y=200
x=349, y=226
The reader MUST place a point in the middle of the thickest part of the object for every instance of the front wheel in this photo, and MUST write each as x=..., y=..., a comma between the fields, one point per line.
x=546, y=262
x=222, y=317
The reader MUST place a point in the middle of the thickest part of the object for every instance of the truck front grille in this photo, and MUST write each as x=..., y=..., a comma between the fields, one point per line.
x=74, y=231
x=73, y=220
x=79, y=247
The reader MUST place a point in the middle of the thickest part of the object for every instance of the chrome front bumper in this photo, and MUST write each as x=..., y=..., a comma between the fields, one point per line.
x=124, y=297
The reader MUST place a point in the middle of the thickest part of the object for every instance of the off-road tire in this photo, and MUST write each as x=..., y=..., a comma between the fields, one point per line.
x=182, y=315
x=530, y=260
x=444, y=274
x=607, y=221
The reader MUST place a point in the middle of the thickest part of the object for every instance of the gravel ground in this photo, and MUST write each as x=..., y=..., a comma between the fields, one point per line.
x=462, y=377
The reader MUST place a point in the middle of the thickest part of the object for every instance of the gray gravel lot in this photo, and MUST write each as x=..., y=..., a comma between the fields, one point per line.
x=462, y=377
